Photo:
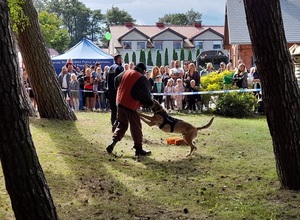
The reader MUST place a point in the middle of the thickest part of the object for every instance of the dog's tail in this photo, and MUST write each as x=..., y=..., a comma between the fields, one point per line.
x=207, y=125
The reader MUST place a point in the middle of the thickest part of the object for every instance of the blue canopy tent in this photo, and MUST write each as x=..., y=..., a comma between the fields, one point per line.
x=85, y=52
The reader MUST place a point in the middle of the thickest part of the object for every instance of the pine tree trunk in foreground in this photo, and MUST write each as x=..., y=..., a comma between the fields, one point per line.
x=279, y=85
x=24, y=178
x=50, y=101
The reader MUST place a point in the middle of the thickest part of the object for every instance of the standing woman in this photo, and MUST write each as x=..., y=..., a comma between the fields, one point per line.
x=155, y=72
x=190, y=75
x=240, y=77
x=88, y=89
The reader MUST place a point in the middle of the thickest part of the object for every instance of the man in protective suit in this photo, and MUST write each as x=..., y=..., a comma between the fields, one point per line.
x=132, y=93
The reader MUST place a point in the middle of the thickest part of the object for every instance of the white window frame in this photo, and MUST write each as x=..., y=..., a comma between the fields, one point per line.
x=139, y=42
x=217, y=44
x=177, y=42
x=125, y=44
x=158, y=41
x=198, y=43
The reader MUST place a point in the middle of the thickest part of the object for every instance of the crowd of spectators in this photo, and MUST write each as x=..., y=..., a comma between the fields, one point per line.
x=85, y=89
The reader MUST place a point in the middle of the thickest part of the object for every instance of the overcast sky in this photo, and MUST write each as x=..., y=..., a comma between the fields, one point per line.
x=148, y=11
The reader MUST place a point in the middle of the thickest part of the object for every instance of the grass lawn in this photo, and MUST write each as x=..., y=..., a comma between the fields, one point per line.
x=231, y=176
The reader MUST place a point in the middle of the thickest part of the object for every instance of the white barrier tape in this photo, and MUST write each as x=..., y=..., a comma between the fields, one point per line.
x=208, y=92
x=182, y=93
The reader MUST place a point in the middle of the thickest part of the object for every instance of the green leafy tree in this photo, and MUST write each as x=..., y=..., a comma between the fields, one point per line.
x=126, y=58
x=55, y=37
x=189, y=18
x=158, y=58
x=149, y=58
x=75, y=15
x=33, y=48
x=95, y=28
x=182, y=54
x=115, y=16
x=166, y=57
x=133, y=57
x=190, y=55
x=175, y=55
x=142, y=56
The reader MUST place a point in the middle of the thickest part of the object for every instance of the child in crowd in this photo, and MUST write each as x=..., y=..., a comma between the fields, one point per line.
x=74, y=92
x=179, y=98
x=169, y=98
x=193, y=100
x=158, y=87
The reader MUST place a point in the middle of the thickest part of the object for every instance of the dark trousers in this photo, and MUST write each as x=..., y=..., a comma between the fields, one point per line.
x=124, y=118
x=113, y=106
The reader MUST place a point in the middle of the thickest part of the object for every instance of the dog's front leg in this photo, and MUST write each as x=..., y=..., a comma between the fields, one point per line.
x=147, y=119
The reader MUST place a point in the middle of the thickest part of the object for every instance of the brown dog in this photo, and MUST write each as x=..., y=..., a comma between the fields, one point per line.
x=169, y=124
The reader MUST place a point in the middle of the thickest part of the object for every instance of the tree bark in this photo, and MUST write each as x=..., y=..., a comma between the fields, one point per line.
x=24, y=177
x=279, y=85
x=48, y=94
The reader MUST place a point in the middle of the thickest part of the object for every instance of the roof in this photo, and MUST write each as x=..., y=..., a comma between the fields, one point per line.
x=187, y=33
x=85, y=49
x=237, y=25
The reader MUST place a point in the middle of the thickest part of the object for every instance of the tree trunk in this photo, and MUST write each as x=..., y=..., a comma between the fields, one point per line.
x=48, y=94
x=24, y=177
x=279, y=85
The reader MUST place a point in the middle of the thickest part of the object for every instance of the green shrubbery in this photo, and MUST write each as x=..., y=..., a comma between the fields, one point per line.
x=228, y=104
x=236, y=104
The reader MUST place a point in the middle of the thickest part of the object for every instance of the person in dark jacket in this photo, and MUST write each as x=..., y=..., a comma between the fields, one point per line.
x=133, y=92
x=114, y=71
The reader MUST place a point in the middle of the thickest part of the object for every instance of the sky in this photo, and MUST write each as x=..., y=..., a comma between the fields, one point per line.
x=147, y=12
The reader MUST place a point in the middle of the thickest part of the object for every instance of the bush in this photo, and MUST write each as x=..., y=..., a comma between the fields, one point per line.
x=236, y=104
x=212, y=82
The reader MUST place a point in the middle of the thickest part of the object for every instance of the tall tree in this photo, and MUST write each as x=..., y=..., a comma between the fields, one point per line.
x=51, y=103
x=55, y=36
x=166, y=57
x=149, y=58
x=142, y=56
x=24, y=177
x=95, y=29
x=158, y=59
x=281, y=95
x=188, y=18
x=75, y=15
x=133, y=57
x=175, y=55
x=126, y=58
x=182, y=54
x=190, y=55
x=115, y=16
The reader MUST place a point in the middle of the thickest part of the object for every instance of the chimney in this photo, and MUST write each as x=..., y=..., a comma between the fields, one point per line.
x=198, y=24
x=129, y=24
x=159, y=24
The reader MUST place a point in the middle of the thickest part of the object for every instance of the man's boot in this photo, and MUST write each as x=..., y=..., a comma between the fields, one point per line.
x=110, y=147
x=140, y=152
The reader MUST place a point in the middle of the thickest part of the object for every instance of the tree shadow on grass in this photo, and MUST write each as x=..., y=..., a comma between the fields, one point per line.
x=87, y=183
